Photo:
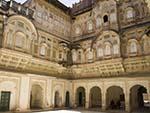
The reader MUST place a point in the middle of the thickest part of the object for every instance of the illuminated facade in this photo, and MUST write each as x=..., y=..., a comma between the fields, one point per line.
x=96, y=54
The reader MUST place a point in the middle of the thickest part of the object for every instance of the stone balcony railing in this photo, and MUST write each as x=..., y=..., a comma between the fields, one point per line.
x=16, y=8
x=21, y=62
x=119, y=67
x=113, y=68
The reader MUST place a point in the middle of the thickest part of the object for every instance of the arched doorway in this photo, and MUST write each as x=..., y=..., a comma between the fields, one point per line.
x=36, y=97
x=67, y=104
x=115, y=98
x=80, y=97
x=95, y=97
x=138, y=97
x=57, y=99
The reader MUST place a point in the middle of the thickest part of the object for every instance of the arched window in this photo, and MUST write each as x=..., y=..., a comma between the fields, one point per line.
x=98, y=21
x=90, y=25
x=20, y=33
x=100, y=52
x=77, y=30
x=20, y=40
x=129, y=13
x=113, y=17
x=74, y=55
x=107, y=49
x=146, y=44
x=133, y=47
x=105, y=18
x=89, y=55
x=116, y=49
x=60, y=55
x=43, y=50
x=10, y=38
x=79, y=56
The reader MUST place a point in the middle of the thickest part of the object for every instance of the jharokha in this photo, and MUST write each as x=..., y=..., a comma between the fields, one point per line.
x=95, y=54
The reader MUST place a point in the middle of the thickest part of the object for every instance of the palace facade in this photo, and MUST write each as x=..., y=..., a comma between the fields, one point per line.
x=93, y=55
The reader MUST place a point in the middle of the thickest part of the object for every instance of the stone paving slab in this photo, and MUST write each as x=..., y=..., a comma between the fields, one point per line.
x=75, y=111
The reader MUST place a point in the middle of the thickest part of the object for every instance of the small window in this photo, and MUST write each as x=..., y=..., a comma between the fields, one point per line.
x=60, y=55
x=107, y=49
x=105, y=18
x=116, y=49
x=74, y=56
x=77, y=30
x=130, y=13
x=20, y=40
x=79, y=55
x=100, y=52
x=113, y=17
x=90, y=25
x=133, y=47
x=54, y=54
x=98, y=22
x=43, y=50
x=10, y=38
x=89, y=55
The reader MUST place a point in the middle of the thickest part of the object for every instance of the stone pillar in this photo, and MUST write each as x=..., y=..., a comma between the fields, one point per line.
x=87, y=99
x=73, y=96
x=148, y=91
x=127, y=102
x=127, y=97
x=103, y=100
x=49, y=93
x=24, y=99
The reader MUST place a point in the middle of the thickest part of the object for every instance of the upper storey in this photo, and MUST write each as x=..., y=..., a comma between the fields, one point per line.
x=51, y=16
x=100, y=15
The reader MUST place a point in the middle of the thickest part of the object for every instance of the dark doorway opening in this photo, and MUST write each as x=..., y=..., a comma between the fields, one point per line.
x=5, y=101
x=67, y=99
x=95, y=98
x=138, y=98
x=115, y=98
x=80, y=97
x=105, y=18
x=57, y=99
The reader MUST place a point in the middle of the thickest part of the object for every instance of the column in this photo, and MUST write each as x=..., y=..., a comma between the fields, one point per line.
x=127, y=102
x=49, y=94
x=73, y=97
x=24, y=99
x=87, y=98
x=127, y=97
x=103, y=100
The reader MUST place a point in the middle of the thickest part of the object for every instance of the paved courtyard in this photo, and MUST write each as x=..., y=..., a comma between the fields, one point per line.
x=78, y=111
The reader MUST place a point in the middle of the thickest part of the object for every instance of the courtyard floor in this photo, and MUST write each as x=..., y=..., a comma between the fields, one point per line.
x=79, y=111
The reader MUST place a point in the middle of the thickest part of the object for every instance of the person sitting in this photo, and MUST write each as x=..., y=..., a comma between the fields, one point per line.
x=112, y=104
x=118, y=104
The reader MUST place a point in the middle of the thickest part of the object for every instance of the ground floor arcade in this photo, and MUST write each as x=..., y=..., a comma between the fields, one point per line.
x=23, y=92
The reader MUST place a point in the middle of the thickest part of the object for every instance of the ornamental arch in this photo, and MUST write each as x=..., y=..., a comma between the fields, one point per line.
x=80, y=97
x=57, y=96
x=9, y=94
x=19, y=33
x=115, y=97
x=95, y=97
x=36, y=97
x=107, y=44
x=138, y=96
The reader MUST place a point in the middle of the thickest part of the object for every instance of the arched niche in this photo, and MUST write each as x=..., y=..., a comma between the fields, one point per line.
x=36, y=97
x=107, y=43
x=115, y=98
x=80, y=97
x=19, y=26
x=8, y=93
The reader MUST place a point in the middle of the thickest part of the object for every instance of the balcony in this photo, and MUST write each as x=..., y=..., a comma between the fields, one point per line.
x=16, y=8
